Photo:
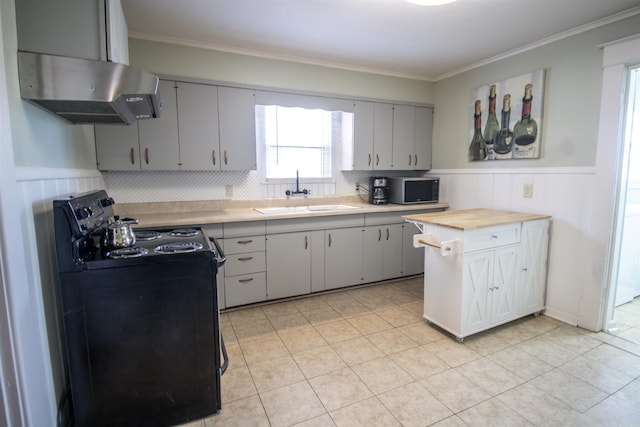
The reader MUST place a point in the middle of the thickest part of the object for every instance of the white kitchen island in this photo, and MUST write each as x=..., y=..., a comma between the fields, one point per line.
x=483, y=267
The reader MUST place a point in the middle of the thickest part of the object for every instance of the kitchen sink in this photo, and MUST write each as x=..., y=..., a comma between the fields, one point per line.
x=283, y=210
x=332, y=207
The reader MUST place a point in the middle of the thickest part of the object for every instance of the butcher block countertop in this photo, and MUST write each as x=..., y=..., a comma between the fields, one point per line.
x=469, y=219
x=158, y=214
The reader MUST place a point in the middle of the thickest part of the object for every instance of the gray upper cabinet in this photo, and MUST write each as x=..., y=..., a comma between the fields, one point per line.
x=403, y=133
x=372, y=136
x=201, y=127
x=422, y=138
x=159, y=148
x=145, y=145
x=389, y=137
x=198, y=131
x=412, y=129
x=117, y=147
x=237, y=128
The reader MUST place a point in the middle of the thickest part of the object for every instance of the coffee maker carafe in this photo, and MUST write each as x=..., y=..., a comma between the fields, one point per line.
x=378, y=190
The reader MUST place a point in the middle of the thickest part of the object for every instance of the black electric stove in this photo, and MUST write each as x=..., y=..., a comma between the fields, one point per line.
x=141, y=323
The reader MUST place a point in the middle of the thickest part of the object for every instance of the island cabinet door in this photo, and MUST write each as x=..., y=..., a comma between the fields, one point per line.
x=502, y=289
x=476, y=280
x=533, y=266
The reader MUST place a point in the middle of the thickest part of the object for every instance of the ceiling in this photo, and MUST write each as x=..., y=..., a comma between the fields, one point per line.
x=390, y=37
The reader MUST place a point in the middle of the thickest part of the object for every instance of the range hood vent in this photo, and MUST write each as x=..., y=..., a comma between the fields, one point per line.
x=84, y=91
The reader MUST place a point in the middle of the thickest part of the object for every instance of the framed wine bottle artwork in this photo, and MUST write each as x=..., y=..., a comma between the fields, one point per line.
x=506, y=119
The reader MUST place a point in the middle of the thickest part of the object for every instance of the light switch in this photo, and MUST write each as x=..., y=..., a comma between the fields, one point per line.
x=527, y=190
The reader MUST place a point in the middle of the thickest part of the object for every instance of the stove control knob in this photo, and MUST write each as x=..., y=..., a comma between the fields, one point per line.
x=84, y=212
x=106, y=202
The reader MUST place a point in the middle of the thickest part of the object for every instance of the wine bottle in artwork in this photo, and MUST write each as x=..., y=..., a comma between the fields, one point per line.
x=477, y=148
x=492, y=127
x=525, y=131
x=503, y=144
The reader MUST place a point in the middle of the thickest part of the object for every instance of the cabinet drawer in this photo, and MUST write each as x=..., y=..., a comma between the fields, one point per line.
x=245, y=289
x=244, y=244
x=250, y=262
x=485, y=238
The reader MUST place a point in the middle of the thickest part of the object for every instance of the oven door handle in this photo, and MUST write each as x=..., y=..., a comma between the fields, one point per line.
x=225, y=364
x=220, y=260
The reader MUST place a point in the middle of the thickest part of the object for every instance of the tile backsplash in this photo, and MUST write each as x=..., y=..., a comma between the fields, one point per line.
x=165, y=186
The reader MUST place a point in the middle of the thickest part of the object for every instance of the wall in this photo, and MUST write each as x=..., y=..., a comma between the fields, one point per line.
x=563, y=178
x=211, y=65
x=52, y=158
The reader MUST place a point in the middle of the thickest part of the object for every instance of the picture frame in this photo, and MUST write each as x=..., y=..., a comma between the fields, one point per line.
x=520, y=137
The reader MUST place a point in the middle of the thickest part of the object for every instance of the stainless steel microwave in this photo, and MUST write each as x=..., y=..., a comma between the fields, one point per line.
x=405, y=190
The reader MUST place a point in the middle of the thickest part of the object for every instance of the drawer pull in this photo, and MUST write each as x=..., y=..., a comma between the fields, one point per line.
x=524, y=269
x=494, y=236
x=244, y=242
x=249, y=258
x=246, y=280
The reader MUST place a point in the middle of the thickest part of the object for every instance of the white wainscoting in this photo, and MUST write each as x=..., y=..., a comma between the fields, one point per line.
x=564, y=193
x=37, y=189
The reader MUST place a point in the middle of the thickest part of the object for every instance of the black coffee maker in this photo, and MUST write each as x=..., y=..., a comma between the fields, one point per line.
x=378, y=190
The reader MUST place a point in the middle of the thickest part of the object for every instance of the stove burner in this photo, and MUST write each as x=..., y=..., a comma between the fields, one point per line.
x=132, y=252
x=184, y=232
x=147, y=235
x=178, y=248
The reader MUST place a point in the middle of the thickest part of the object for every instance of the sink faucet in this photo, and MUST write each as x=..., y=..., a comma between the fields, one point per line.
x=297, y=190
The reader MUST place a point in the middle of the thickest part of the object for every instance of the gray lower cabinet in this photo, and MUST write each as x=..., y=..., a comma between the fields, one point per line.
x=291, y=257
x=343, y=257
x=288, y=264
x=412, y=258
x=382, y=252
x=245, y=270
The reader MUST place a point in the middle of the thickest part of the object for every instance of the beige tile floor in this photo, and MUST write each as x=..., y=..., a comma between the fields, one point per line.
x=365, y=357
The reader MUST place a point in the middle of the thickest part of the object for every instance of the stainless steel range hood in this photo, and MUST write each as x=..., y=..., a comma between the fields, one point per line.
x=85, y=91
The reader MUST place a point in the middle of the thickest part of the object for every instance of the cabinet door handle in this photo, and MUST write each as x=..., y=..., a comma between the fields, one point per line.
x=415, y=160
x=369, y=160
x=409, y=159
x=377, y=159
x=524, y=268
x=249, y=258
x=379, y=234
x=131, y=155
x=213, y=156
x=146, y=155
x=329, y=239
x=246, y=280
x=244, y=242
x=387, y=233
x=306, y=242
x=225, y=157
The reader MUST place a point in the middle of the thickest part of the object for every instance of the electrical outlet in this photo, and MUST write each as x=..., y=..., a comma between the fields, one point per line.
x=527, y=190
x=357, y=188
x=229, y=189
